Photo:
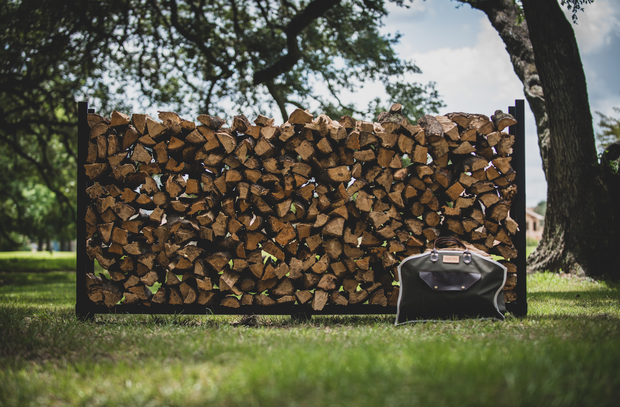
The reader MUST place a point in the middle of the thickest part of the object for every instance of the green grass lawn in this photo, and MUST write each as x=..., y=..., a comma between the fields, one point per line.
x=565, y=353
x=37, y=261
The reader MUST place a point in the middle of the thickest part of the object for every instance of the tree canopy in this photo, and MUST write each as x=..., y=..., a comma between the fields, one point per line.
x=219, y=57
x=541, y=208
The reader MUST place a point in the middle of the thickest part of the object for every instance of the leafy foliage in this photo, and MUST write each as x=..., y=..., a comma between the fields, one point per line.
x=217, y=57
x=541, y=208
x=609, y=141
x=48, y=54
x=575, y=6
x=257, y=55
x=611, y=129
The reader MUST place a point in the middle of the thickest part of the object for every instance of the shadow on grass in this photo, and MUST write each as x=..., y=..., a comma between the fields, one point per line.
x=242, y=321
x=36, y=279
x=33, y=290
x=217, y=321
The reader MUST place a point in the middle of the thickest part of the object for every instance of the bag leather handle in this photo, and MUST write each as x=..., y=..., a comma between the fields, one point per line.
x=446, y=240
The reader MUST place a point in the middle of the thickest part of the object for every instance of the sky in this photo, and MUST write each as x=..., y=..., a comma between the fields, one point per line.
x=459, y=50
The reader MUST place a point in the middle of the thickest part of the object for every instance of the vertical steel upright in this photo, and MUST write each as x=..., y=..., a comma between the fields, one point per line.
x=519, y=307
x=83, y=263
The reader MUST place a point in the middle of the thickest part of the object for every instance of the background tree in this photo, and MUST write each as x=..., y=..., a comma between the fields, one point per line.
x=219, y=57
x=541, y=208
x=611, y=129
x=609, y=142
x=581, y=223
x=256, y=55
x=43, y=66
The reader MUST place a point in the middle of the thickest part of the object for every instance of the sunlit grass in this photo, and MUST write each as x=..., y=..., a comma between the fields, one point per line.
x=529, y=250
x=37, y=261
x=565, y=352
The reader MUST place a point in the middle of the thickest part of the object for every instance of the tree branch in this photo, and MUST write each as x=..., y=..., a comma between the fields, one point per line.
x=6, y=235
x=296, y=104
x=200, y=44
x=298, y=23
x=277, y=96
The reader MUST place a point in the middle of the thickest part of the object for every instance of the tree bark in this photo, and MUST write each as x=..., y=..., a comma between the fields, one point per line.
x=581, y=226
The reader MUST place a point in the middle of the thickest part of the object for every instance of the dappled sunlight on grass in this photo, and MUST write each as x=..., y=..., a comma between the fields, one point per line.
x=552, y=295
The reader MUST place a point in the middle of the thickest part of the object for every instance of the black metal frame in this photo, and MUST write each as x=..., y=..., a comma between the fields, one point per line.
x=519, y=307
x=83, y=305
x=85, y=309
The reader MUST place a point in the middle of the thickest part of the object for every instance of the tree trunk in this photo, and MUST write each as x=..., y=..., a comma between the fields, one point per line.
x=581, y=227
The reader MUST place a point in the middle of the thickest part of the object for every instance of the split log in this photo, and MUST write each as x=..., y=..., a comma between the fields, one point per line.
x=339, y=174
x=450, y=128
x=358, y=297
x=433, y=130
x=339, y=299
x=230, y=302
x=303, y=296
x=319, y=300
x=502, y=120
x=263, y=300
x=378, y=298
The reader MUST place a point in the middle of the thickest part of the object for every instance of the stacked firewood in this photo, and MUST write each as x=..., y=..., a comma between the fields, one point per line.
x=314, y=211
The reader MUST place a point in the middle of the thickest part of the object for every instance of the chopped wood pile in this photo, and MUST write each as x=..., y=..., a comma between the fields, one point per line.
x=314, y=211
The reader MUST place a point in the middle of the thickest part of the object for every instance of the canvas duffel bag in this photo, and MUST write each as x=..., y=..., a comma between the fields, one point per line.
x=447, y=284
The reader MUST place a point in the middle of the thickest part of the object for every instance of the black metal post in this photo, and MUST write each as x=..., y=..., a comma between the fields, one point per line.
x=518, y=211
x=83, y=263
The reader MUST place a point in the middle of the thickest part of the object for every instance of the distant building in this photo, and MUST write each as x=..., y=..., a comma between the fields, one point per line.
x=534, y=224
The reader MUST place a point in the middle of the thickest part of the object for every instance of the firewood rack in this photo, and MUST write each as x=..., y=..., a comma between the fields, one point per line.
x=85, y=309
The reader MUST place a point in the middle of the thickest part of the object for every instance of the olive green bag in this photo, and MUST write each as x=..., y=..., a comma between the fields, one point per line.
x=447, y=284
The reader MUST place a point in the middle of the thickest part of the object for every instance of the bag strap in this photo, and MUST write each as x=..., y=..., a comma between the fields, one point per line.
x=446, y=240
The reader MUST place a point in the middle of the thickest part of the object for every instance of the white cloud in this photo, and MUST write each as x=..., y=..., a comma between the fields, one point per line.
x=413, y=10
x=597, y=26
x=479, y=78
x=606, y=106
